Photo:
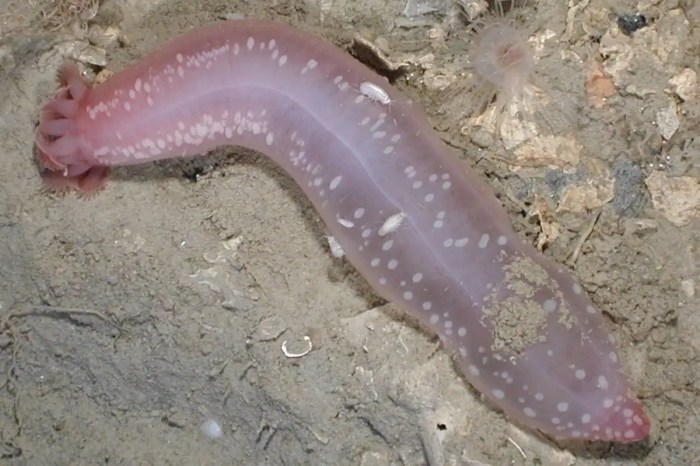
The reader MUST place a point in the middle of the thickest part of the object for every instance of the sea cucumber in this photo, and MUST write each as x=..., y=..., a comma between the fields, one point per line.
x=425, y=232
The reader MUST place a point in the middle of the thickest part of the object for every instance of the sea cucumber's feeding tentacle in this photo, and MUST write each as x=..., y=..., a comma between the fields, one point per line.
x=423, y=231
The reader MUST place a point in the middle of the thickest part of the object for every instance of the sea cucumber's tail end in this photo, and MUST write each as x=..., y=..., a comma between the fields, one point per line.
x=58, y=141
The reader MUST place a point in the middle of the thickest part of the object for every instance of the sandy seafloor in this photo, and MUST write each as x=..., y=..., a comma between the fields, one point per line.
x=129, y=319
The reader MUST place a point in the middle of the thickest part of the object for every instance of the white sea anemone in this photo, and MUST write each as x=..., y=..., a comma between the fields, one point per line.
x=501, y=62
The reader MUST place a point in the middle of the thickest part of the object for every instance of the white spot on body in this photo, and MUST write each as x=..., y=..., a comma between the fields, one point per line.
x=310, y=65
x=250, y=43
x=549, y=305
x=460, y=243
x=346, y=223
x=484, y=241
x=335, y=182
x=377, y=124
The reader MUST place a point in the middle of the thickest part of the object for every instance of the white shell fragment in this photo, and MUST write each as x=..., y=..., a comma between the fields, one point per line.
x=668, y=122
x=211, y=429
x=297, y=355
x=336, y=248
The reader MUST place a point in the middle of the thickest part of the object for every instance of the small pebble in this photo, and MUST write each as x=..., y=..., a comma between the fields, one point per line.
x=630, y=22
